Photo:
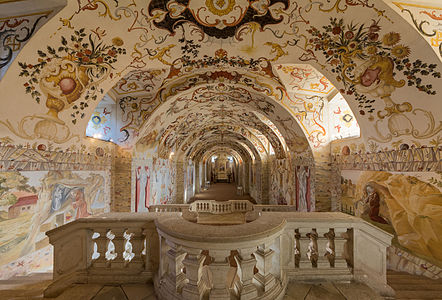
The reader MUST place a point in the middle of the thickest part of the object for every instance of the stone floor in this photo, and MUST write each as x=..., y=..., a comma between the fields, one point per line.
x=330, y=291
x=406, y=287
x=295, y=291
x=221, y=192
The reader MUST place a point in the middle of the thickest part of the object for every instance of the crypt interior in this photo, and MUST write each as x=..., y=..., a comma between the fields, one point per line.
x=220, y=149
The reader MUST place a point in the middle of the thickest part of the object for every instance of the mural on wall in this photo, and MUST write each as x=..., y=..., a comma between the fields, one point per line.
x=142, y=189
x=154, y=182
x=32, y=202
x=281, y=179
x=303, y=189
x=409, y=205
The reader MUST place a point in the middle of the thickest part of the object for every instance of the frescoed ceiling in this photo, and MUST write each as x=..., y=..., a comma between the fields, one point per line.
x=268, y=67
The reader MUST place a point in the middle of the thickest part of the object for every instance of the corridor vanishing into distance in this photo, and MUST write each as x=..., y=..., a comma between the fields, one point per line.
x=222, y=191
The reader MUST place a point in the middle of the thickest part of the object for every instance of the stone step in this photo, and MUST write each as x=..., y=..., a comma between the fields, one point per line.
x=434, y=295
x=416, y=287
x=408, y=286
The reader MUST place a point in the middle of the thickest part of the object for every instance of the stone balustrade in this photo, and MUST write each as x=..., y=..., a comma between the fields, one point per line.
x=115, y=248
x=205, y=207
x=254, y=260
x=169, y=208
x=275, y=208
x=221, y=207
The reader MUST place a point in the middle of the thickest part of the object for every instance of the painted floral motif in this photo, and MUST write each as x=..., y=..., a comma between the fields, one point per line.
x=362, y=59
x=83, y=61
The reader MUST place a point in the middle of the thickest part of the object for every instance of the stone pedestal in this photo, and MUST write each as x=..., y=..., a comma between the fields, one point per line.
x=193, y=263
x=264, y=276
x=219, y=268
x=246, y=264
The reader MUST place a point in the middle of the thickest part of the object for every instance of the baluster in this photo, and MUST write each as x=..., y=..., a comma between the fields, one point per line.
x=175, y=277
x=323, y=246
x=110, y=248
x=312, y=252
x=102, y=242
x=304, y=242
x=137, y=242
x=119, y=242
x=264, y=276
x=219, y=267
x=339, y=244
x=193, y=263
x=297, y=248
x=246, y=264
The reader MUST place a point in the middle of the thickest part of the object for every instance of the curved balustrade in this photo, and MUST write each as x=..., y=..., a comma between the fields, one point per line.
x=168, y=208
x=206, y=206
x=221, y=207
x=186, y=260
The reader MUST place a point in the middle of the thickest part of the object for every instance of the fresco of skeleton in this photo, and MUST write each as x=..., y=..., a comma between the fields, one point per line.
x=324, y=105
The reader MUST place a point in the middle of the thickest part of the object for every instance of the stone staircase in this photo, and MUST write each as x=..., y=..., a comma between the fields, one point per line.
x=409, y=286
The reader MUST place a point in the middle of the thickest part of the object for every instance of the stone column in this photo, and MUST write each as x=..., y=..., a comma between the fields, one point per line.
x=264, y=276
x=193, y=263
x=265, y=182
x=179, y=196
x=219, y=267
x=246, y=264
x=121, y=181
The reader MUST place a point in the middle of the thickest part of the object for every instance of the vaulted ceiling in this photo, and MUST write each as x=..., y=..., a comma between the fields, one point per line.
x=182, y=76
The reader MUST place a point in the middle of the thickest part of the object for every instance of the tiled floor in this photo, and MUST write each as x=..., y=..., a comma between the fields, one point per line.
x=330, y=291
x=221, y=192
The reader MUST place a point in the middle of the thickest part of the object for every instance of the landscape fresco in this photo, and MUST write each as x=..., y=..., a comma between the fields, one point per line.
x=32, y=202
x=410, y=204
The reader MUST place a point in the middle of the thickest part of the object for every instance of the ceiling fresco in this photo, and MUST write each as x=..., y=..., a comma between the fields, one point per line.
x=171, y=65
x=425, y=16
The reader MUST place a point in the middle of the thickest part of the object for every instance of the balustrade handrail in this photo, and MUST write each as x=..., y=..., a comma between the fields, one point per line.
x=256, y=207
x=221, y=207
x=283, y=245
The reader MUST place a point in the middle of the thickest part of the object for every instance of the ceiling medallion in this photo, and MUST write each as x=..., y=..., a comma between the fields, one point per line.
x=217, y=18
x=220, y=7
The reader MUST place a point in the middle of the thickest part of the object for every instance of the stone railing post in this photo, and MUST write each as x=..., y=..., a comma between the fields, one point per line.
x=73, y=253
x=219, y=268
x=175, y=276
x=264, y=277
x=193, y=263
x=370, y=257
x=246, y=264
x=339, y=243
